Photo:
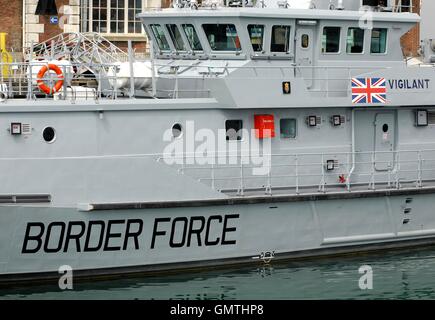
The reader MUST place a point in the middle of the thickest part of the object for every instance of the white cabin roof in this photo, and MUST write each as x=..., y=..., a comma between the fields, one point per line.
x=282, y=13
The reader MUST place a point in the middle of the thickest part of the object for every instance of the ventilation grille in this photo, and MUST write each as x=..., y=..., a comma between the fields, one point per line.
x=26, y=128
x=431, y=117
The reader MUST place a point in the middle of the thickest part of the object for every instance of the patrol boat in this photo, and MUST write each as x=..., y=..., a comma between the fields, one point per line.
x=255, y=132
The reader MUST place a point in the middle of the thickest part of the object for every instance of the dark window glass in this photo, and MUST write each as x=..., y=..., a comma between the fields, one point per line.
x=355, y=40
x=160, y=37
x=175, y=34
x=280, y=39
x=233, y=129
x=222, y=37
x=288, y=128
x=192, y=37
x=331, y=40
x=256, y=33
x=379, y=40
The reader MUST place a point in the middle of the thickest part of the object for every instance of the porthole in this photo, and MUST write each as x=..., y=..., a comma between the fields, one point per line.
x=305, y=41
x=49, y=134
x=177, y=130
x=385, y=128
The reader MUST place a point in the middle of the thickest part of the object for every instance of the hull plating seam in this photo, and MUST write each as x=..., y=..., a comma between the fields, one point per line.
x=262, y=199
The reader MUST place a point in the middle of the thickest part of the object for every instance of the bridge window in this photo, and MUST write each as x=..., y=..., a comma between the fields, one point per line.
x=355, y=40
x=379, y=40
x=222, y=37
x=331, y=40
x=256, y=33
x=160, y=37
x=280, y=39
x=176, y=37
x=288, y=128
x=192, y=37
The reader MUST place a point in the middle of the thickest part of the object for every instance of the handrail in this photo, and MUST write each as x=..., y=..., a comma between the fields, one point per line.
x=401, y=166
x=297, y=172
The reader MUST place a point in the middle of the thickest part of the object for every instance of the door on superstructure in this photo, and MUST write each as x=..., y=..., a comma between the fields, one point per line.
x=385, y=140
x=304, y=52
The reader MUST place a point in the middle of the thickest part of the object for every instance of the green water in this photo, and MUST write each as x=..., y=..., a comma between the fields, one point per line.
x=404, y=275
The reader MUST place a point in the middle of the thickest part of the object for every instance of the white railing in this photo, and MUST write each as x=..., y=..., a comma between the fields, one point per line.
x=315, y=172
x=286, y=174
x=328, y=81
x=21, y=81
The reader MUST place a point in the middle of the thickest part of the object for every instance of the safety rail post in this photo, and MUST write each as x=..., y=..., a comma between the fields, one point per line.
x=130, y=63
x=241, y=190
x=398, y=170
x=115, y=87
x=372, y=175
x=30, y=80
x=99, y=88
x=297, y=173
x=175, y=95
x=322, y=182
x=65, y=93
x=389, y=173
x=419, y=174
x=10, y=75
x=183, y=168
x=269, y=181
x=153, y=73
x=349, y=155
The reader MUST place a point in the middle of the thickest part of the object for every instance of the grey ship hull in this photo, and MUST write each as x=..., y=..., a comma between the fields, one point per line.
x=142, y=237
x=99, y=198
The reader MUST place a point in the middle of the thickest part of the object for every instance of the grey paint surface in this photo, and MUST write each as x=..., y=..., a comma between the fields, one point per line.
x=427, y=30
x=110, y=151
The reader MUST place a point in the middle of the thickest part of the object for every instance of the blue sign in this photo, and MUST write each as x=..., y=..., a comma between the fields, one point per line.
x=54, y=20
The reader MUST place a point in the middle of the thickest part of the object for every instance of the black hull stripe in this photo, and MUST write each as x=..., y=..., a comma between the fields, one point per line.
x=262, y=199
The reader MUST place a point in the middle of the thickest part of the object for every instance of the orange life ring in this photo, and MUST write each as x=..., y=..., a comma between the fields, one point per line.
x=59, y=83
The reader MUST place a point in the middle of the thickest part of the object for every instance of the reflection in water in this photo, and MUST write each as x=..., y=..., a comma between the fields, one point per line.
x=405, y=275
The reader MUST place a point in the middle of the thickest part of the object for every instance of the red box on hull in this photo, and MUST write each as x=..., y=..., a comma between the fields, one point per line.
x=264, y=126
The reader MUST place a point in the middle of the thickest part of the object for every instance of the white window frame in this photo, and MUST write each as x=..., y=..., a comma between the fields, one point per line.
x=108, y=21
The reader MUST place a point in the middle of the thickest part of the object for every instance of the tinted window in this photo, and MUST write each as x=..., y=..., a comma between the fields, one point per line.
x=331, y=40
x=379, y=41
x=160, y=37
x=222, y=37
x=288, y=128
x=256, y=33
x=233, y=129
x=175, y=34
x=280, y=39
x=192, y=37
x=355, y=40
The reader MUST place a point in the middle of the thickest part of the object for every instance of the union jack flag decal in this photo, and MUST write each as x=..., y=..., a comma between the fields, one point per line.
x=369, y=90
